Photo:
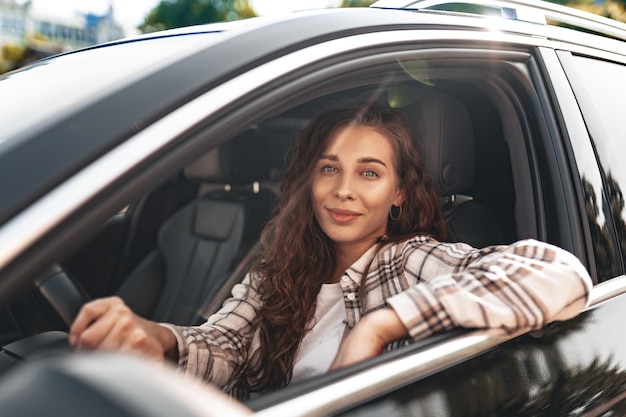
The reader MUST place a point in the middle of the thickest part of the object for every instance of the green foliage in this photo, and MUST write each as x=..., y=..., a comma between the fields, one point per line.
x=12, y=52
x=359, y=3
x=170, y=14
x=561, y=2
x=614, y=9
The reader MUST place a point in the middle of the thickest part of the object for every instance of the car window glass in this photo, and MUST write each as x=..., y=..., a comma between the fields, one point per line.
x=48, y=80
x=601, y=94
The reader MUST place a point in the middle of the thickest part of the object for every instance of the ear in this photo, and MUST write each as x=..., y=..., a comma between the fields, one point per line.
x=399, y=198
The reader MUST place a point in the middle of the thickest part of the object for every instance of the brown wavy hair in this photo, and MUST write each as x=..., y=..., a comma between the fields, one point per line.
x=296, y=257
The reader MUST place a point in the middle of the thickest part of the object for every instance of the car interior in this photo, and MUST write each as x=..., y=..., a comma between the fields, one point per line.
x=174, y=253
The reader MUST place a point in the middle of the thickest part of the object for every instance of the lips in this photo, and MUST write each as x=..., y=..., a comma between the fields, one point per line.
x=343, y=216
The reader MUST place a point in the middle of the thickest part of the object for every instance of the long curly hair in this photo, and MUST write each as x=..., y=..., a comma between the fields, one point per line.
x=296, y=257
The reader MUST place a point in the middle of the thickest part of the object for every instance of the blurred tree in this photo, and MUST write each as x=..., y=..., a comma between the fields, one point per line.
x=614, y=9
x=10, y=54
x=170, y=14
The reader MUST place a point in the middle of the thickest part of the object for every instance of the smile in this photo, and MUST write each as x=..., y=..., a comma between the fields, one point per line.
x=342, y=216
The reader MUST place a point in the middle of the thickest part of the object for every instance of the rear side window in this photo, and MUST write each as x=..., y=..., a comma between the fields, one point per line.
x=600, y=90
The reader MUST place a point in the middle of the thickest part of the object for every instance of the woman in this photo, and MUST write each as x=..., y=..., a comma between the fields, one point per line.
x=350, y=262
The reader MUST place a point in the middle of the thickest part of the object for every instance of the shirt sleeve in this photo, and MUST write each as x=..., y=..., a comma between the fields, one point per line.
x=524, y=285
x=217, y=350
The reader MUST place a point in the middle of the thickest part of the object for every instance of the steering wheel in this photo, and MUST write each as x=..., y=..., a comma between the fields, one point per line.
x=31, y=316
x=54, y=288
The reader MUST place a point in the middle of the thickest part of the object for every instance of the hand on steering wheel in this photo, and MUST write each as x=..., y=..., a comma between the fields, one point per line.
x=108, y=323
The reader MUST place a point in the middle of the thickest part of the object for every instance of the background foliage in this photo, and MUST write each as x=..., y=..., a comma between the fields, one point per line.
x=614, y=9
x=176, y=13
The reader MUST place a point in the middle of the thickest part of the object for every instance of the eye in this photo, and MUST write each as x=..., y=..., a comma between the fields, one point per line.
x=370, y=173
x=328, y=168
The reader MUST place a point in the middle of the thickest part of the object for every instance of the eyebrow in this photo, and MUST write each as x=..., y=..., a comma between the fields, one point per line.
x=364, y=160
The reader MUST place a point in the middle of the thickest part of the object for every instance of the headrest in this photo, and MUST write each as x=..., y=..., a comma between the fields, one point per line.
x=445, y=140
x=219, y=226
x=242, y=160
x=281, y=133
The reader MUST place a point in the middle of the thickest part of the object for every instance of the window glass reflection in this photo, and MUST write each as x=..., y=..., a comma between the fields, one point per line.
x=601, y=93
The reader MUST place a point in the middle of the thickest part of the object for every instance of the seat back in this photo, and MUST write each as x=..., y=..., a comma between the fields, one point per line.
x=199, y=245
x=445, y=140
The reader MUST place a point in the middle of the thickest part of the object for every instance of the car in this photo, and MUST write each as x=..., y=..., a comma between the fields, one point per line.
x=147, y=167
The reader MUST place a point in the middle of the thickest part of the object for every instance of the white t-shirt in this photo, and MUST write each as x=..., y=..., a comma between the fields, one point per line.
x=320, y=345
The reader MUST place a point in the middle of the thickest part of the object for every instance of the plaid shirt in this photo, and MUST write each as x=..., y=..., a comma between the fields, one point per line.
x=432, y=286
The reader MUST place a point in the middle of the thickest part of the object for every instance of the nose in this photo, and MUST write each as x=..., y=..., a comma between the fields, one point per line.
x=343, y=190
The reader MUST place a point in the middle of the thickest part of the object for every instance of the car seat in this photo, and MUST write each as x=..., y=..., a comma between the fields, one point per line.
x=199, y=245
x=445, y=141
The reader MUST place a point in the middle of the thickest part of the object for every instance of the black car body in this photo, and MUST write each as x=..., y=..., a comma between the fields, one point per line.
x=102, y=149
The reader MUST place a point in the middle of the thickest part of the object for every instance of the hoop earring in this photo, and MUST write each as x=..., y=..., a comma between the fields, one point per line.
x=391, y=216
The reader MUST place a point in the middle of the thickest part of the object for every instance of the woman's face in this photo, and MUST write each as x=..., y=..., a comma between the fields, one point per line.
x=354, y=186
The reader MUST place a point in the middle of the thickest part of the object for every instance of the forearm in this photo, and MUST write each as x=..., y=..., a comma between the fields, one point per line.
x=385, y=325
x=168, y=340
x=207, y=352
x=370, y=337
x=525, y=285
x=216, y=350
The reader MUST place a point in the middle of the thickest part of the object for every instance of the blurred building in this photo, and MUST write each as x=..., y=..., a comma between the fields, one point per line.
x=26, y=34
x=79, y=30
x=13, y=22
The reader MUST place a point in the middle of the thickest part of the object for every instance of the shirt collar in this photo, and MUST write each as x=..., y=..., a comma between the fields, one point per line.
x=355, y=272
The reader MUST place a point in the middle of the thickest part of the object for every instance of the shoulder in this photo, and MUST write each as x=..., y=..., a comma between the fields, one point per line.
x=423, y=247
x=424, y=254
x=414, y=241
x=536, y=249
x=424, y=244
x=415, y=247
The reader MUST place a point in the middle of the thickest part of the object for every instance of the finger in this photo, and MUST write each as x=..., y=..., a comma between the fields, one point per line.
x=88, y=313
x=130, y=333
x=121, y=325
x=108, y=327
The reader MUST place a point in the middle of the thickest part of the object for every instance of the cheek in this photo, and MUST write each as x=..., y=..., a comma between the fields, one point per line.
x=319, y=191
x=316, y=199
x=379, y=198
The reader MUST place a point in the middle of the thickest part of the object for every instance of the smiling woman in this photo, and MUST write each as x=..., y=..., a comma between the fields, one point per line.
x=353, y=189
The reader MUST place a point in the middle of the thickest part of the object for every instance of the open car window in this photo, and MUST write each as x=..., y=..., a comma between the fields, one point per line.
x=185, y=235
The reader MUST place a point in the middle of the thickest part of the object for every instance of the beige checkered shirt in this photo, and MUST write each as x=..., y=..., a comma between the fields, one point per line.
x=432, y=286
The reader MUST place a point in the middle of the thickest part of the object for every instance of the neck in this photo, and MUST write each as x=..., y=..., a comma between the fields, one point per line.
x=346, y=256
